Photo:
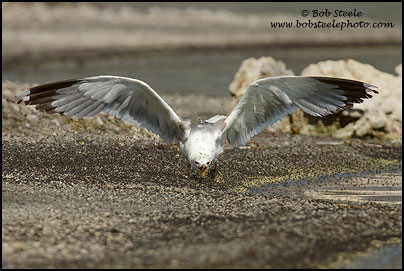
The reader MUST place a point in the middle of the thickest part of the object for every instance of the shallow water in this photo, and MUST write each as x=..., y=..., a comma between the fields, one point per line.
x=206, y=72
x=381, y=187
x=389, y=257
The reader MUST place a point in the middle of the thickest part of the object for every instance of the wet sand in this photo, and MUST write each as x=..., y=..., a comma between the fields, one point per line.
x=80, y=200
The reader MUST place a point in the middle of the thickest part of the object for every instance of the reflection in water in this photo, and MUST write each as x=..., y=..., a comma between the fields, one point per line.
x=389, y=257
x=385, y=187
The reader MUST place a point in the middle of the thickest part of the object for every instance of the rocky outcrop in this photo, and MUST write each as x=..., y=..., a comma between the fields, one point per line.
x=379, y=117
x=382, y=115
x=252, y=69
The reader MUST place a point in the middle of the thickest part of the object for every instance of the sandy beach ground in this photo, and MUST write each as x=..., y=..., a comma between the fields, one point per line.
x=98, y=193
x=89, y=202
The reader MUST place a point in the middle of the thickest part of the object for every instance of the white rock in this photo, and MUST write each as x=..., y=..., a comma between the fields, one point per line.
x=352, y=113
x=252, y=69
x=362, y=127
x=346, y=132
x=389, y=86
x=377, y=119
x=382, y=112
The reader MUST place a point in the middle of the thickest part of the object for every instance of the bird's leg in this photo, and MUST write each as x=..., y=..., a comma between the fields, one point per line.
x=189, y=170
x=188, y=175
x=214, y=171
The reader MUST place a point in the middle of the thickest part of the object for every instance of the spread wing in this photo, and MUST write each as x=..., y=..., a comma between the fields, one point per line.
x=125, y=98
x=269, y=100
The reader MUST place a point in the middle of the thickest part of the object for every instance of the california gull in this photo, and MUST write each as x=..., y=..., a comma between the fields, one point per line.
x=264, y=102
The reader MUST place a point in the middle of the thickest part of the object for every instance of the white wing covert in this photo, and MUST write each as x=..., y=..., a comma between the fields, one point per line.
x=125, y=98
x=269, y=100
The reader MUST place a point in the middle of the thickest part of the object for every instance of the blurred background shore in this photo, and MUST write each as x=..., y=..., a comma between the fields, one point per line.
x=195, y=51
x=39, y=33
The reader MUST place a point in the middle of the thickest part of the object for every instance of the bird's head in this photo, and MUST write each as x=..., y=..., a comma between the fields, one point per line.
x=202, y=164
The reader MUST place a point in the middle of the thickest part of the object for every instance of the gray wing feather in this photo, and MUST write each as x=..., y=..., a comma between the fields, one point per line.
x=125, y=98
x=269, y=100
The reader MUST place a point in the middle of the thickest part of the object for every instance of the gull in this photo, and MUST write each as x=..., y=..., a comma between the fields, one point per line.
x=264, y=102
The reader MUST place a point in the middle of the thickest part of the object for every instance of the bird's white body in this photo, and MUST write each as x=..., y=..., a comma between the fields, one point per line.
x=265, y=101
x=203, y=145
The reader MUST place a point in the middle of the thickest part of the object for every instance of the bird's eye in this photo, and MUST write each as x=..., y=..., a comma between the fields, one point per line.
x=208, y=163
x=196, y=163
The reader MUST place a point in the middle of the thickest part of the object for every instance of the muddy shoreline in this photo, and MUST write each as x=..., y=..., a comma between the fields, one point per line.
x=117, y=203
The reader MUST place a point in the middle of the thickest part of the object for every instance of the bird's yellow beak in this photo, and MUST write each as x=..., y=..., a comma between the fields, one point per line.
x=203, y=169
